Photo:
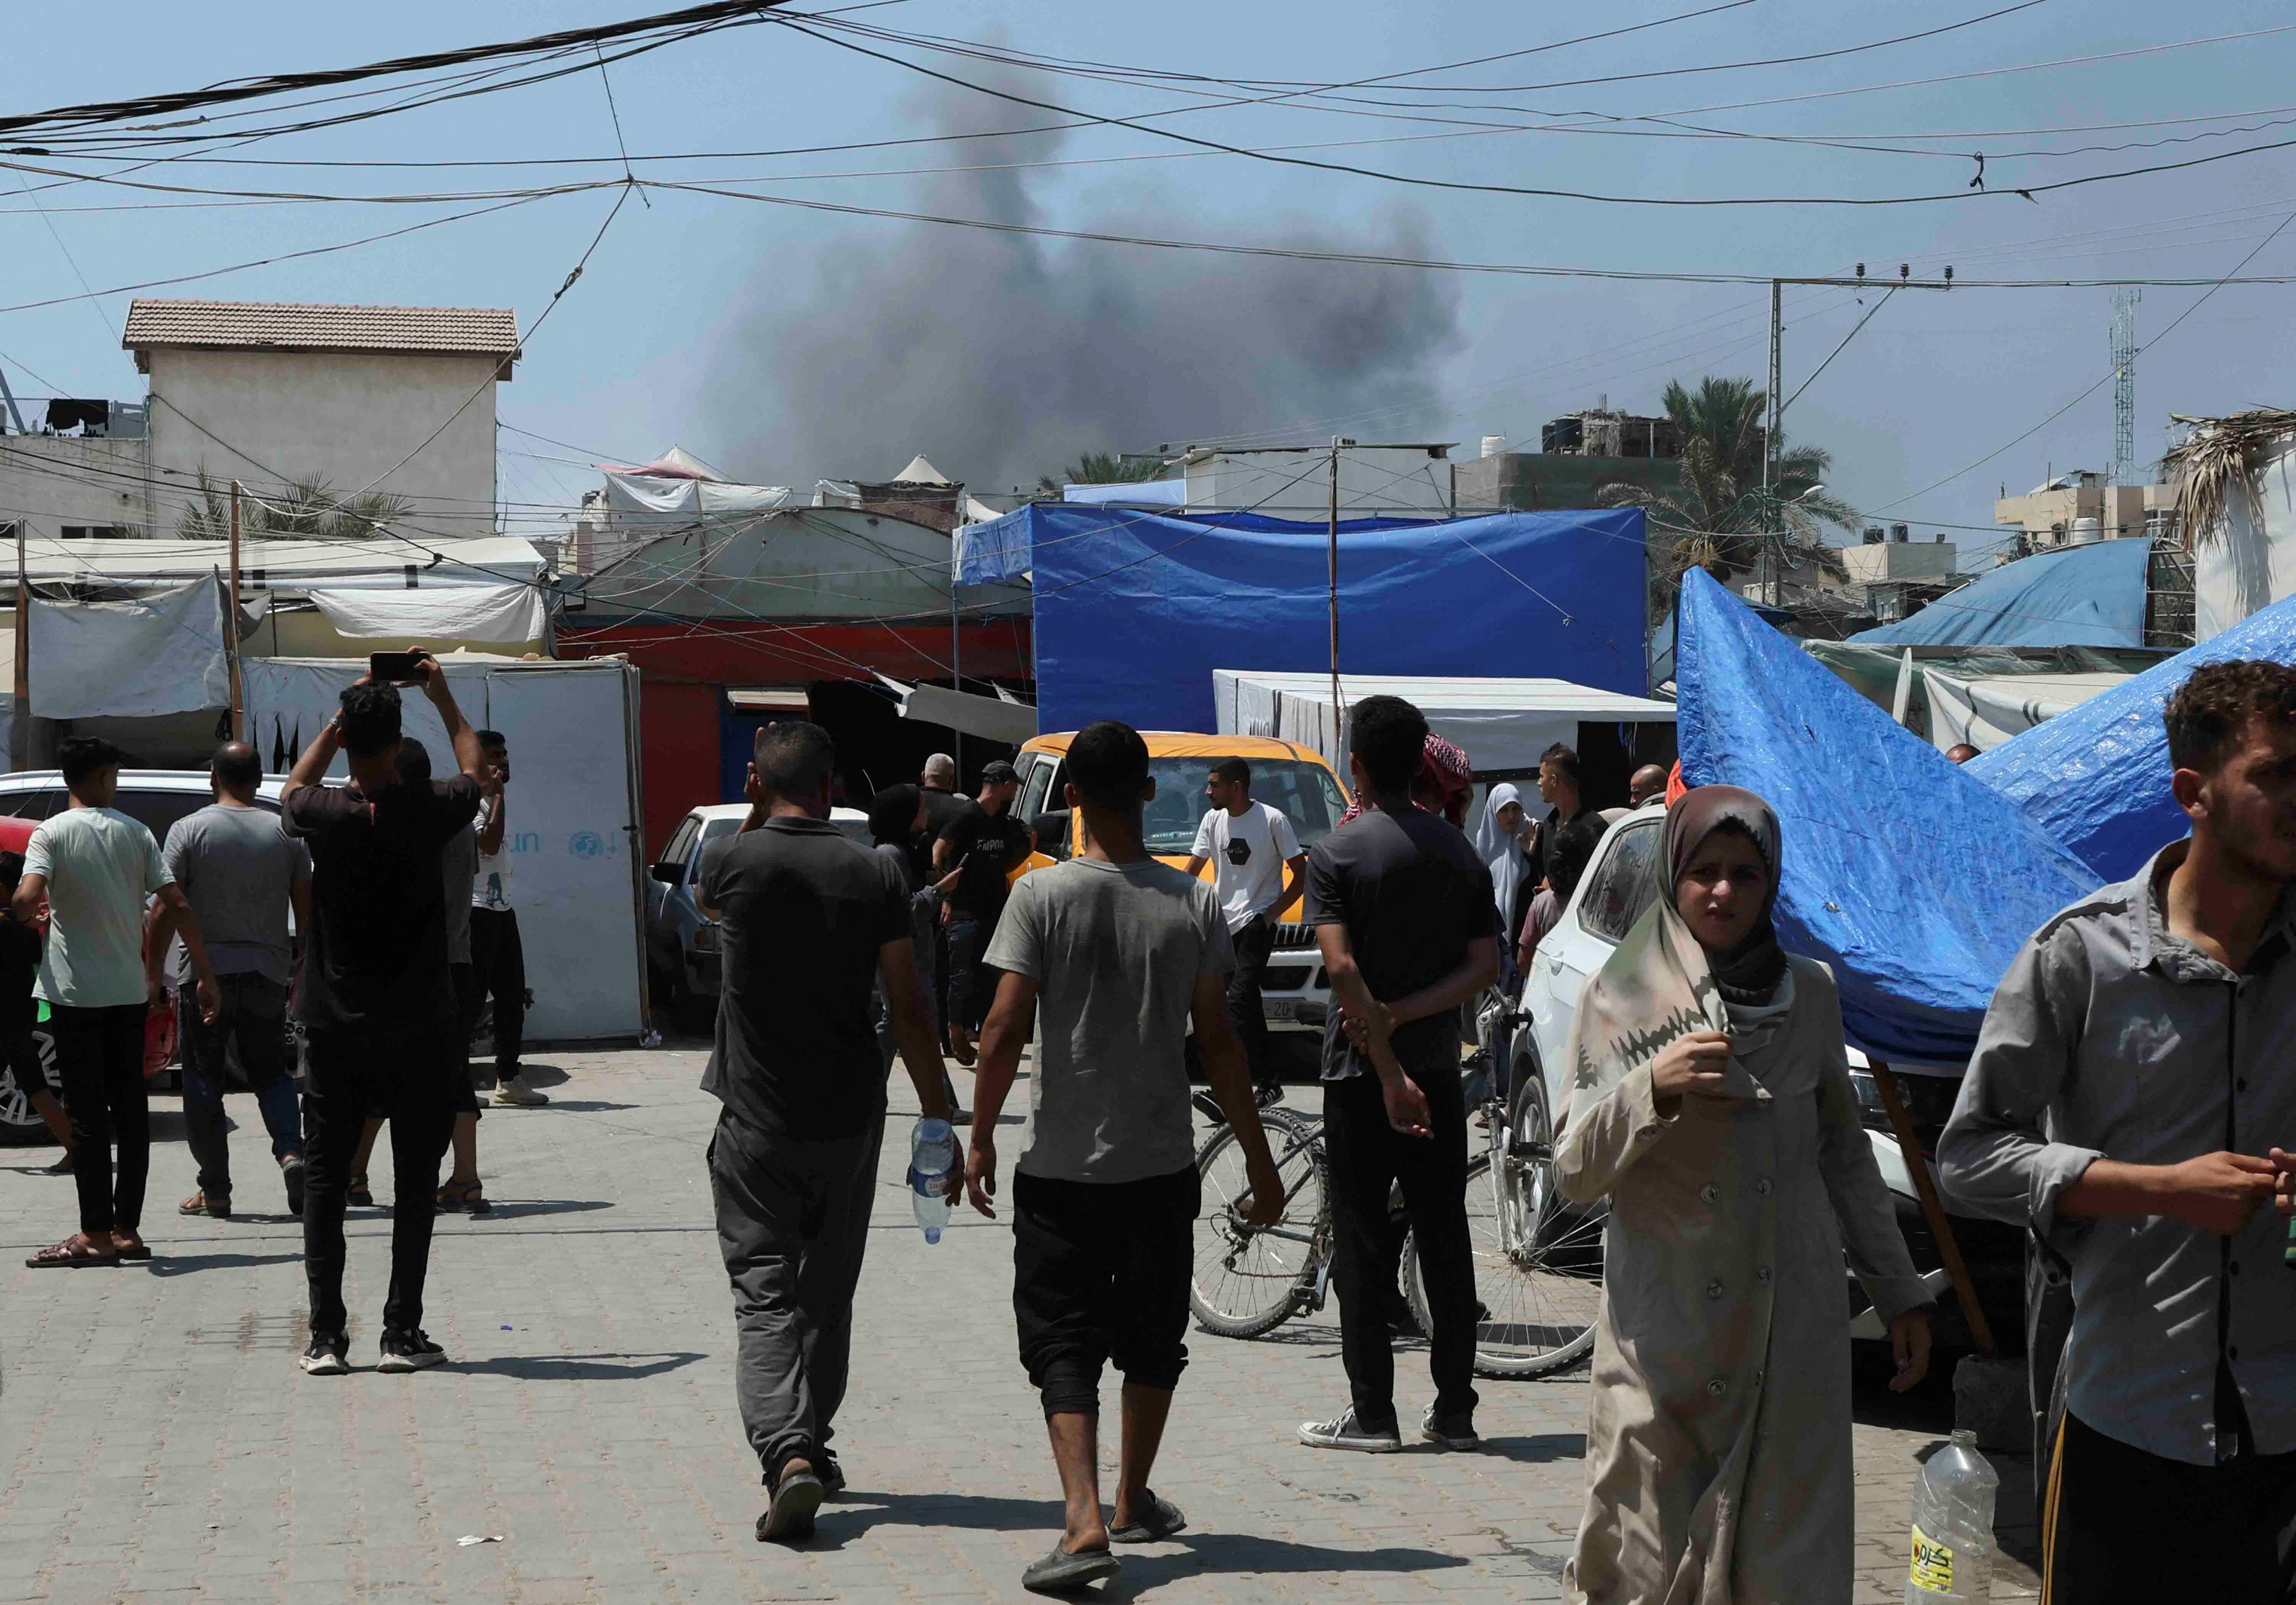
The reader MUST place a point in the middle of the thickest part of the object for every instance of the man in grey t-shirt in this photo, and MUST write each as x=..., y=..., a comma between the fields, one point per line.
x=242, y=873
x=1119, y=953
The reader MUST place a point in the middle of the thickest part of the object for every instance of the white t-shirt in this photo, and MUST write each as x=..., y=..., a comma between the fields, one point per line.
x=100, y=867
x=1248, y=853
x=491, y=887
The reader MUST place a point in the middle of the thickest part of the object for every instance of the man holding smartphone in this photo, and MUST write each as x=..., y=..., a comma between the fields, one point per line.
x=377, y=1002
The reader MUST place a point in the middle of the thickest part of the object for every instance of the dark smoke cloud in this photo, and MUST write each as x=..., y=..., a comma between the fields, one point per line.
x=1003, y=356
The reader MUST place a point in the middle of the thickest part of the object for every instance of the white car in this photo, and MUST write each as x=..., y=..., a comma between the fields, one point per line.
x=1610, y=896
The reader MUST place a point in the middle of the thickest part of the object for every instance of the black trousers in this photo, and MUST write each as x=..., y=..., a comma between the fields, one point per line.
x=253, y=1016
x=498, y=967
x=1253, y=943
x=407, y=1077
x=792, y=1226
x=1368, y=1158
x=2120, y=1525
x=100, y=1058
x=972, y=984
x=1100, y=1272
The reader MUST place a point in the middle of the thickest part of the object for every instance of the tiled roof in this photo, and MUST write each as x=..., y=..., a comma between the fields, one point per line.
x=290, y=326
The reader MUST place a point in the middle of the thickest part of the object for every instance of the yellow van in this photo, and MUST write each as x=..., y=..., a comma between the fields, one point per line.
x=1285, y=775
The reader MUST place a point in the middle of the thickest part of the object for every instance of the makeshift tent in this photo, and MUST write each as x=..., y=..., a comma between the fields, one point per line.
x=2235, y=482
x=1136, y=493
x=998, y=718
x=2091, y=595
x=159, y=653
x=1502, y=726
x=503, y=615
x=1913, y=880
x=576, y=857
x=1133, y=610
x=2097, y=779
x=1986, y=710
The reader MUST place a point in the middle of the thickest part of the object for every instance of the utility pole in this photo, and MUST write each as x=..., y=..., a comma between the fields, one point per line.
x=230, y=629
x=956, y=666
x=1773, y=475
x=19, y=729
x=1339, y=711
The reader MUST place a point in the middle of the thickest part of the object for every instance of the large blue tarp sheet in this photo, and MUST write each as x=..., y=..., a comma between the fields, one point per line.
x=2096, y=778
x=1915, y=881
x=1135, y=610
x=2091, y=595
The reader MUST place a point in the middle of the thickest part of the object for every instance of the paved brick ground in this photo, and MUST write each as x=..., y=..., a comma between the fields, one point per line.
x=157, y=1443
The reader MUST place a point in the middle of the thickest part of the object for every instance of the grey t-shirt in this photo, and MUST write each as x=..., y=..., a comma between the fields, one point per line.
x=236, y=866
x=1115, y=950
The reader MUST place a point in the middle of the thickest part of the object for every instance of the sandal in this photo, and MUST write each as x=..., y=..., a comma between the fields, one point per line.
x=202, y=1202
x=132, y=1250
x=62, y=1167
x=469, y=1196
x=69, y=1254
x=359, y=1193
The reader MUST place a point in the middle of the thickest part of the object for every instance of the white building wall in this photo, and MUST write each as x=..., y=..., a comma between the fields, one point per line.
x=56, y=482
x=1295, y=484
x=345, y=417
x=2253, y=564
x=1901, y=560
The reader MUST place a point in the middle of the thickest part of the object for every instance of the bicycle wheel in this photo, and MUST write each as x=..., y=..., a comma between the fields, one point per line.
x=1538, y=1262
x=1245, y=1277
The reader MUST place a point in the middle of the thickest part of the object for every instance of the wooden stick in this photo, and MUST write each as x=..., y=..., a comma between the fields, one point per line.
x=20, y=730
x=1933, y=1208
x=231, y=626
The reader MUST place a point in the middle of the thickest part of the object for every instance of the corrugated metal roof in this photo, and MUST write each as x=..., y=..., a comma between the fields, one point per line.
x=295, y=326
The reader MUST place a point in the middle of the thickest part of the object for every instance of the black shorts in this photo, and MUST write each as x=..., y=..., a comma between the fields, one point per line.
x=1100, y=1272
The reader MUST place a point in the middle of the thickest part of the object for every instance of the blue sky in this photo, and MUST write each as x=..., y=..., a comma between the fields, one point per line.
x=789, y=344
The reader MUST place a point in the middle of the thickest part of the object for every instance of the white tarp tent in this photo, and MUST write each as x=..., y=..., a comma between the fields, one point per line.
x=502, y=615
x=575, y=811
x=1987, y=710
x=158, y=653
x=1502, y=725
x=997, y=718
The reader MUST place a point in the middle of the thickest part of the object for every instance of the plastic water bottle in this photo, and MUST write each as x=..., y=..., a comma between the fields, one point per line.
x=1953, y=1526
x=932, y=1155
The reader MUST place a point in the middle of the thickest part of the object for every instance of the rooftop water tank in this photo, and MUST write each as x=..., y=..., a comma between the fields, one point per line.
x=1494, y=445
x=2085, y=530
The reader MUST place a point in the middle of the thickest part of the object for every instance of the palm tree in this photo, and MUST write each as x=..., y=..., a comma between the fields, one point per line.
x=306, y=509
x=1100, y=468
x=1716, y=514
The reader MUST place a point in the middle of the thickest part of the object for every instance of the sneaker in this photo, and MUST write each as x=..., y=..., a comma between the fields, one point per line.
x=1451, y=1431
x=409, y=1351
x=291, y=1171
x=325, y=1357
x=62, y=1167
x=510, y=1090
x=1345, y=1432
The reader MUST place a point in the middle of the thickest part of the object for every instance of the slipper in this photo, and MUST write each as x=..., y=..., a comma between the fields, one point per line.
x=62, y=1167
x=68, y=1255
x=789, y=1513
x=1060, y=1572
x=1161, y=1521
x=140, y=1251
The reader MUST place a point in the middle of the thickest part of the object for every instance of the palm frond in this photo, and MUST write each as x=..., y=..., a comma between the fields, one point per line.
x=2214, y=470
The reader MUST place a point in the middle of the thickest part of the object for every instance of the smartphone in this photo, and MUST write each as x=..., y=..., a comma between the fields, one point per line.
x=395, y=668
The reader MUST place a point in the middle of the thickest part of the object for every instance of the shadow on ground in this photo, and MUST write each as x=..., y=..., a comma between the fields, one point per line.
x=577, y=1368
x=164, y=1264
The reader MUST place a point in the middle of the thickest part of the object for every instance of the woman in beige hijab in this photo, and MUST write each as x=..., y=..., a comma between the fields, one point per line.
x=1712, y=1105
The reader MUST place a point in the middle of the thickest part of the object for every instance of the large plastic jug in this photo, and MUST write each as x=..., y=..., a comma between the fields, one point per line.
x=1953, y=1526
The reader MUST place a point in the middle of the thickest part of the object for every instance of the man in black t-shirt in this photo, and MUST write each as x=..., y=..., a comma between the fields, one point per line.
x=1558, y=787
x=982, y=845
x=937, y=783
x=808, y=918
x=1408, y=930
x=376, y=1001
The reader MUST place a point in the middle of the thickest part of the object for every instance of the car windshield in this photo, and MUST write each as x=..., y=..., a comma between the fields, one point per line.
x=1307, y=793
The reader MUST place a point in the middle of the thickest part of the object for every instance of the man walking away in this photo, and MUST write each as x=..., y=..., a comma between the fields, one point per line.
x=376, y=1002
x=241, y=873
x=1409, y=931
x=1122, y=953
x=95, y=866
x=937, y=784
x=498, y=960
x=2129, y=1087
x=982, y=844
x=810, y=918
x=1258, y=869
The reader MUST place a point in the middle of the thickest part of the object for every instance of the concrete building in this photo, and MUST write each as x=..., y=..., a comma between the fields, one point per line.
x=87, y=479
x=395, y=400
x=1896, y=557
x=1597, y=431
x=2071, y=509
x=1294, y=481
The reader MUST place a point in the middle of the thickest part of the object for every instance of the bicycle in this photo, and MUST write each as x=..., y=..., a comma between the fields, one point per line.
x=1538, y=1262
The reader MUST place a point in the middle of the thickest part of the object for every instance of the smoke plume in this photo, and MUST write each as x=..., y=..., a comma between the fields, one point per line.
x=1004, y=356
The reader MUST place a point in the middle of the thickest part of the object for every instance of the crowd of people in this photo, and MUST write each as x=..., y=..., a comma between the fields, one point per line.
x=2128, y=1102
x=396, y=886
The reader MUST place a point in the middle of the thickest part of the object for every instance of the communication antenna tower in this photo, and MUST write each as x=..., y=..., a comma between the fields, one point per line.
x=2122, y=469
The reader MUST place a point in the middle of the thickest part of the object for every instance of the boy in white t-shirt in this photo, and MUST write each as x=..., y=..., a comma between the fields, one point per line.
x=1259, y=869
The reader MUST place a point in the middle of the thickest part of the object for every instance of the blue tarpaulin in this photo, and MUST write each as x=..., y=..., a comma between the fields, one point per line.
x=2091, y=595
x=1916, y=882
x=1133, y=610
x=2096, y=778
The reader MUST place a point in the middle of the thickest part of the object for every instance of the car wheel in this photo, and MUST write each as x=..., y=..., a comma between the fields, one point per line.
x=20, y=1122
